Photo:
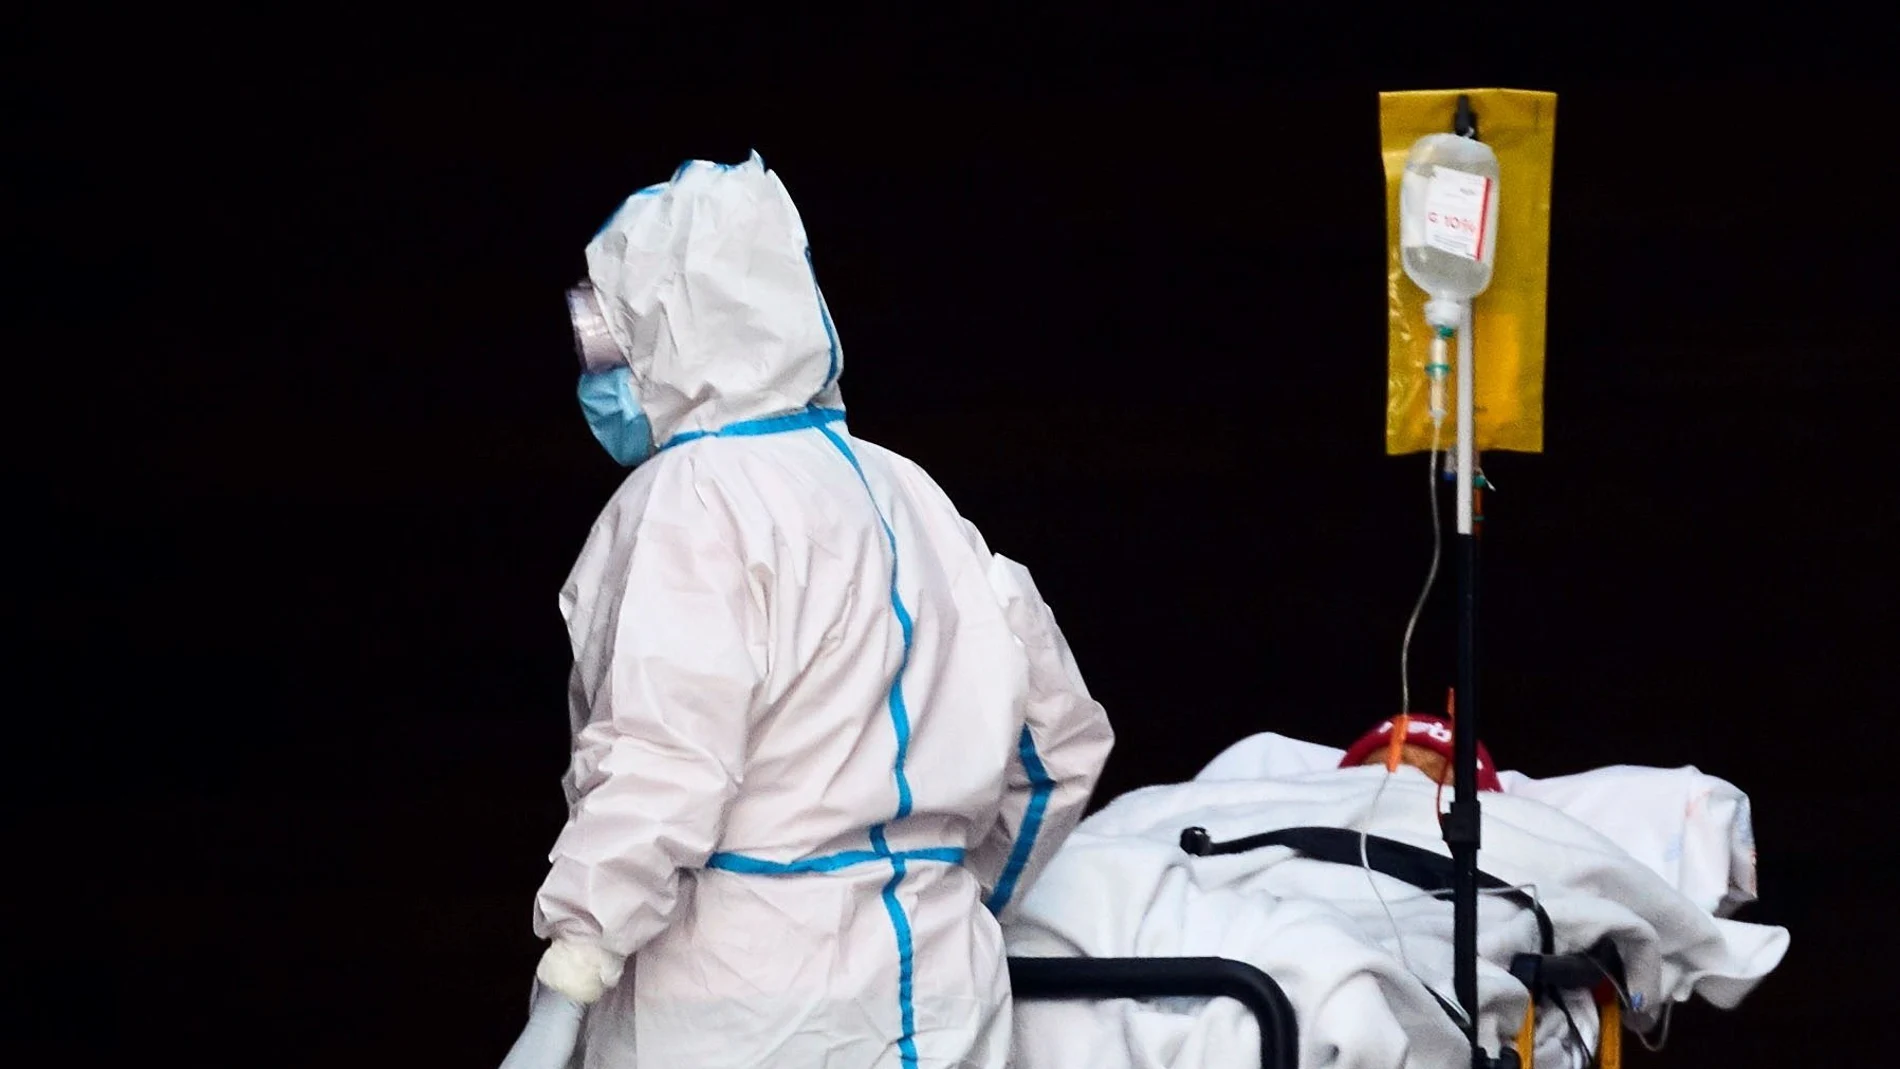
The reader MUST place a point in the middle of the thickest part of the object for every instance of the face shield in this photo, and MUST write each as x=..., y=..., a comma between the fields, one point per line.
x=606, y=389
x=592, y=342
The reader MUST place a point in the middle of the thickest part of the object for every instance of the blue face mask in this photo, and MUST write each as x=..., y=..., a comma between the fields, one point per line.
x=614, y=415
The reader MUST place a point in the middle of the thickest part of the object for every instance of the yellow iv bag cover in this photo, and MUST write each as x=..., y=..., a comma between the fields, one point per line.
x=1507, y=336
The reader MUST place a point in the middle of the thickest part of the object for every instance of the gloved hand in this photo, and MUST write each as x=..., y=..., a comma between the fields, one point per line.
x=552, y=1032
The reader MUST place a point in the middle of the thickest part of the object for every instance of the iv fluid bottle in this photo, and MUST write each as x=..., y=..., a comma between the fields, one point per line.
x=1448, y=216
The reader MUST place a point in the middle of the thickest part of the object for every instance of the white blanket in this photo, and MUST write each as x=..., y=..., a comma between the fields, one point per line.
x=1692, y=829
x=1122, y=887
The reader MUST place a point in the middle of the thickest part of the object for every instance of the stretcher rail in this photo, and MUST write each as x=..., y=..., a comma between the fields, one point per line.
x=1051, y=979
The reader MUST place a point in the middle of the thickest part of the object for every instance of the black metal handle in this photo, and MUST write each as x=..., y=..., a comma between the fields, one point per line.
x=1106, y=978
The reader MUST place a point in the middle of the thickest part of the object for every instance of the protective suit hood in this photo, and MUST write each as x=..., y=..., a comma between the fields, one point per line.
x=706, y=285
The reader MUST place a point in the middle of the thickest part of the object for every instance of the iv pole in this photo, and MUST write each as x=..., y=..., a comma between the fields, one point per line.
x=1461, y=823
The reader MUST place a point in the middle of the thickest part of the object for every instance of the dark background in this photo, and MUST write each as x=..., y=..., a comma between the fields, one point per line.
x=299, y=468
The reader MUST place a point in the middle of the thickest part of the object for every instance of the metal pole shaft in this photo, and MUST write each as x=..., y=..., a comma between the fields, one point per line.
x=1464, y=806
x=1462, y=823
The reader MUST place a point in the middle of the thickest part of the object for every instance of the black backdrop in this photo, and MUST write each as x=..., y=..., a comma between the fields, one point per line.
x=300, y=470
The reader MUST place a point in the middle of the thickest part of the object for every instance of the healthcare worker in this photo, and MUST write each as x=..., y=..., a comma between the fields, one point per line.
x=823, y=737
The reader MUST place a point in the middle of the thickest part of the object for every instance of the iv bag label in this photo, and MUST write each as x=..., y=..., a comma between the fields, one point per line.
x=1456, y=207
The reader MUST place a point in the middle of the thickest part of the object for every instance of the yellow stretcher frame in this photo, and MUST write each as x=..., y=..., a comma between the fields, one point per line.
x=1609, y=1035
x=1508, y=318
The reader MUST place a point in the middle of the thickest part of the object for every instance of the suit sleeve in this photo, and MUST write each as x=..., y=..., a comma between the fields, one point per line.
x=665, y=683
x=1064, y=742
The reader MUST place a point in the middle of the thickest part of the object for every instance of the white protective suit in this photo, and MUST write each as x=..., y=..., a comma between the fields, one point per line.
x=818, y=726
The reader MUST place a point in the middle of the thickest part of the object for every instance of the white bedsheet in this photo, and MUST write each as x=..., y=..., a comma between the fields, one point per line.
x=1692, y=829
x=1122, y=887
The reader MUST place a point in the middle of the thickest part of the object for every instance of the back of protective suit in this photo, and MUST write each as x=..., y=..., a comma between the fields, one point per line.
x=822, y=733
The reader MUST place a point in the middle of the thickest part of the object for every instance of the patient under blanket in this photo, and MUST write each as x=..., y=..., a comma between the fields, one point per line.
x=1653, y=860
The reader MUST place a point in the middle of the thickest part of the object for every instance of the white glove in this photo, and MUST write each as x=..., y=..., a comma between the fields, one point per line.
x=553, y=1030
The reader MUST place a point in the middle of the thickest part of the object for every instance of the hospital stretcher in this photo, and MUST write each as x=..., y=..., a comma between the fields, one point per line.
x=1545, y=974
